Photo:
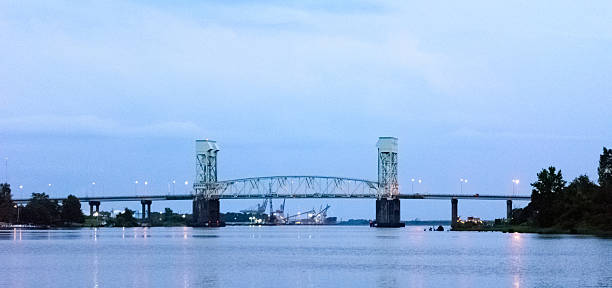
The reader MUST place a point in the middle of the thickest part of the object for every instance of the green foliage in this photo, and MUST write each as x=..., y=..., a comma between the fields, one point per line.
x=126, y=219
x=7, y=207
x=71, y=210
x=167, y=218
x=605, y=168
x=546, y=191
x=581, y=206
x=41, y=211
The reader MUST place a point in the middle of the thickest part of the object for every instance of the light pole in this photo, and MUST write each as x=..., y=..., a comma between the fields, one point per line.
x=173, y=182
x=145, y=188
x=49, y=189
x=97, y=222
x=515, y=183
x=93, y=188
x=186, y=183
x=461, y=184
x=17, y=206
x=136, y=187
x=412, y=180
x=21, y=190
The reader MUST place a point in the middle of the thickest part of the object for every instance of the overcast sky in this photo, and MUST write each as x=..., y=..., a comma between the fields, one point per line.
x=117, y=91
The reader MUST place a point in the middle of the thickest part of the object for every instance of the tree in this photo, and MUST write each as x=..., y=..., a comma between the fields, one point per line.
x=126, y=219
x=547, y=190
x=581, y=190
x=605, y=168
x=71, y=210
x=168, y=214
x=41, y=210
x=7, y=207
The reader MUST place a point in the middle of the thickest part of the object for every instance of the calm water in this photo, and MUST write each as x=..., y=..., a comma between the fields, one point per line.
x=306, y=256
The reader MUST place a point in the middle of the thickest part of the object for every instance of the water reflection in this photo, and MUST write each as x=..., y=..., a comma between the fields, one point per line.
x=298, y=257
x=516, y=261
x=17, y=234
x=96, y=270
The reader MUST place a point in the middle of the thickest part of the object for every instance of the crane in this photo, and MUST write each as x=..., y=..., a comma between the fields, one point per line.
x=322, y=212
x=299, y=214
x=260, y=209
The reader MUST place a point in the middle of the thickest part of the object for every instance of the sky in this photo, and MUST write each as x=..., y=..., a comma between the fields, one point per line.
x=117, y=91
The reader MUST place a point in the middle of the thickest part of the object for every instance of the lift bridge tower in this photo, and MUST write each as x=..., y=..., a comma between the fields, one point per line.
x=387, y=203
x=206, y=201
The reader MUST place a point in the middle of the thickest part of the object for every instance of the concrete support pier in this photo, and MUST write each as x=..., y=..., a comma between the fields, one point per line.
x=93, y=204
x=454, y=217
x=508, y=210
x=143, y=211
x=146, y=209
x=206, y=213
x=388, y=213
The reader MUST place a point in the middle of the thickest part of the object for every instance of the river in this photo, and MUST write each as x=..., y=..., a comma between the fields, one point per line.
x=300, y=256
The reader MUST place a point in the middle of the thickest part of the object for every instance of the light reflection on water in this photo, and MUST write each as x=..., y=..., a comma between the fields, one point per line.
x=305, y=256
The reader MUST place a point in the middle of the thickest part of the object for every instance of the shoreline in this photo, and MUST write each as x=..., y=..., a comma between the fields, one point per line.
x=538, y=230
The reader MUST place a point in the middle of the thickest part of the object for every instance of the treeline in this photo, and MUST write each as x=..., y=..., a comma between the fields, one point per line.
x=582, y=206
x=40, y=210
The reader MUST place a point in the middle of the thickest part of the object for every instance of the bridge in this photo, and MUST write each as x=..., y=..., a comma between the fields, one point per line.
x=207, y=191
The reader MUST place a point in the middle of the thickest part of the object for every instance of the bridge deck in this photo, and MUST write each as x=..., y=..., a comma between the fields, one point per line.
x=295, y=196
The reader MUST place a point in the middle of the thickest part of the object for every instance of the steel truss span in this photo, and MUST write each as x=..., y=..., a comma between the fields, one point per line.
x=288, y=187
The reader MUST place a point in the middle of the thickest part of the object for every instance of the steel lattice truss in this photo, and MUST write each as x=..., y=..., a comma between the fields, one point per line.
x=289, y=187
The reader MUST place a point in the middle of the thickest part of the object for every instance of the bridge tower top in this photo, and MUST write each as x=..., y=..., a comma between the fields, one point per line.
x=387, y=167
x=206, y=165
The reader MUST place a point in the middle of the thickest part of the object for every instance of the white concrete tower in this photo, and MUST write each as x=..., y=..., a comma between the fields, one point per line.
x=388, y=186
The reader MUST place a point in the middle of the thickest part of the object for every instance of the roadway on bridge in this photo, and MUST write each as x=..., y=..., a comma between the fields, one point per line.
x=295, y=196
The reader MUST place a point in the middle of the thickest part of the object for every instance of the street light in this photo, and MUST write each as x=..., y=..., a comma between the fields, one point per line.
x=515, y=183
x=145, y=187
x=17, y=206
x=135, y=187
x=173, y=182
x=21, y=190
x=420, y=181
x=461, y=184
x=412, y=180
x=96, y=214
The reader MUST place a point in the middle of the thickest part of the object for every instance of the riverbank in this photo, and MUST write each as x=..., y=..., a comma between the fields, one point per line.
x=536, y=230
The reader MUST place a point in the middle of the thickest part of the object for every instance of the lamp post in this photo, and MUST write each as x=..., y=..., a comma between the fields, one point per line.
x=173, y=183
x=515, y=183
x=145, y=187
x=461, y=181
x=21, y=190
x=412, y=180
x=136, y=187
x=93, y=188
x=186, y=183
x=97, y=222
x=17, y=206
